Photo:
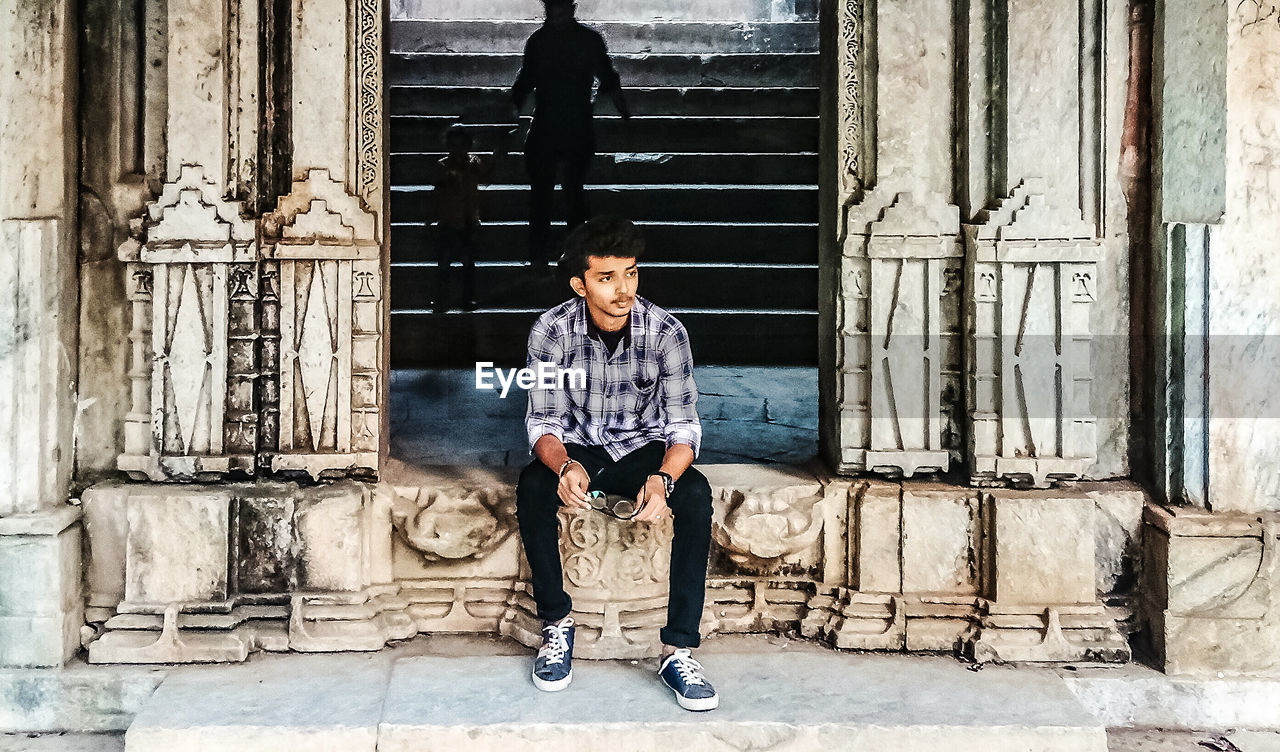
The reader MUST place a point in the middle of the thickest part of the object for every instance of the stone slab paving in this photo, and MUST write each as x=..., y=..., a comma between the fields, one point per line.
x=782, y=702
x=309, y=703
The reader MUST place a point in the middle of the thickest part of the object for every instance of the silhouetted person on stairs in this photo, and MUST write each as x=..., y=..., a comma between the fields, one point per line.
x=562, y=60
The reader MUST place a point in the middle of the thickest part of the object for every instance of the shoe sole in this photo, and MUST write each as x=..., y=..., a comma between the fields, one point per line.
x=552, y=686
x=697, y=703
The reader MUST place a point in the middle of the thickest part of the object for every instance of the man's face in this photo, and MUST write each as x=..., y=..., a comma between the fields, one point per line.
x=608, y=286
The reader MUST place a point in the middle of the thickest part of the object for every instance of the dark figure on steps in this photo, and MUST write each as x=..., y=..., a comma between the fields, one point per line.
x=562, y=61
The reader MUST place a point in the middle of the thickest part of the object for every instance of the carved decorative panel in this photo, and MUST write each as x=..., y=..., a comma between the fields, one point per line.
x=330, y=317
x=1032, y=272
x=899, y=346
x=189, y=279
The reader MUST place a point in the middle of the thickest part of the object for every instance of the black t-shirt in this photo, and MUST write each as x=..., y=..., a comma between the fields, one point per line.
x=610, y=339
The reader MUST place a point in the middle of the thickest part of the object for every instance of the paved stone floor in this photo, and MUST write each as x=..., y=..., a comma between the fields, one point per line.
x=813, y=684
x=1118, y=740
x=749, y=415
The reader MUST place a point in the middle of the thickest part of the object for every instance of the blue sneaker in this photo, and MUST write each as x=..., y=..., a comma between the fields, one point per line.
x=553, y=668
x=683, y=675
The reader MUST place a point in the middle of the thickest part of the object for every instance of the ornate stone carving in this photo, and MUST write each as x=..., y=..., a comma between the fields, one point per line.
x=898, y=348
x=768, y=529
x=324, y=241
x=1032, y=271
x=1040, y=594
x=849, y=82
x=617, y=574
x=454, y=523
x=1210, y=602
x=188, y=281
x=368, y=105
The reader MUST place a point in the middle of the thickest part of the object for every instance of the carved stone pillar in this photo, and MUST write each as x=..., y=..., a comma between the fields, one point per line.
x=1032, y=279
x=191, y=269
x=325, y=243
x=896, y=314
x=1040, y=191
x=39, y=534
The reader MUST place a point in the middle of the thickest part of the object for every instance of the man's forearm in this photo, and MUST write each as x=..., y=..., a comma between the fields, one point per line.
x=551, y=452
x=677, y=459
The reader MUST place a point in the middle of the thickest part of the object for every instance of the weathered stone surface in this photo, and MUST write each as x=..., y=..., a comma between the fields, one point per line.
x=828, y=701
x=41, y=606
x=75, y=697
x=333, y=534
x=326, y=704
x=941, y=533
x=1244, y=451
x=1209, y=598
x=177, y=547
x=1117, y=532
x=1041, y=547
x=876, y=540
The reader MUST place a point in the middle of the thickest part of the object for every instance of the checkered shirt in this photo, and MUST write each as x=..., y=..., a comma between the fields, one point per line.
x=642, y=392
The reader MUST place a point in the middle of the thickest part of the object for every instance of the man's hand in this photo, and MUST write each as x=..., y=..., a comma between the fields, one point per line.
x=573, y=487
x=653, y=501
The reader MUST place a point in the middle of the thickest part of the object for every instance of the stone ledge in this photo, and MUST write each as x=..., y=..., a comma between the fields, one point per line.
x=45, y=522
x=82, y=698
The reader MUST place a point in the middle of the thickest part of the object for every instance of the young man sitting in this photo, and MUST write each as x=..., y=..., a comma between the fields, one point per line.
x=631, y=430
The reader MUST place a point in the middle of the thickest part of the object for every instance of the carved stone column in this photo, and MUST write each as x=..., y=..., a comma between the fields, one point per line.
x=40, y=609
x=896, y=314
x=1032, y=279
x=325, y=244
x=1041, y=137
x=191, y=273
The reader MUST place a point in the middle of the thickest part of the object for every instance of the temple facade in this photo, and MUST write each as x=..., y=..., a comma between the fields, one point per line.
x=1047, y=294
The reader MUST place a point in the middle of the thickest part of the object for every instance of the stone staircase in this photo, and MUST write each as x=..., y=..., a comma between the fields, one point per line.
x=718, y=166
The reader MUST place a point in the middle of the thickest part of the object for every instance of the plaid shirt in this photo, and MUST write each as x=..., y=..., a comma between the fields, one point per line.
x=642, y=392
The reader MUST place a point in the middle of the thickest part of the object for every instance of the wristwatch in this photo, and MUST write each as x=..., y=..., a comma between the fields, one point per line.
x=667, y=482
x=566, y=465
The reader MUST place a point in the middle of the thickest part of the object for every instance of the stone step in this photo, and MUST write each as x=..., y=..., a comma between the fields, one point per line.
x=506, y=285
x=619, y=10
x=661, y=36
x=665, y=203
x=644, y=135
x=753, y=243
x=798, y=701
x=499, y=69
x=492, y=104
x=726, y=337
x=415, y=168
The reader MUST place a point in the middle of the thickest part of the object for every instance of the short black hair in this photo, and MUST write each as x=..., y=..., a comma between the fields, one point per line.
x=600, y=236
x=550, y=3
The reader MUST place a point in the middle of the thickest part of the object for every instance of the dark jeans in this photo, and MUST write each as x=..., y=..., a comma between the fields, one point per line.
x=537, y=503
x=543, y=162
x=460, y=245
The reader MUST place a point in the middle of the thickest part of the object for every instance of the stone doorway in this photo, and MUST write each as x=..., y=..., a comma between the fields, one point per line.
x=719, y=168
x=952, y=212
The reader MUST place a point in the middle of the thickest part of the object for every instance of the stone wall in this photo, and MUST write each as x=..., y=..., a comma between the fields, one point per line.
x=212, y=572
x=975, y=242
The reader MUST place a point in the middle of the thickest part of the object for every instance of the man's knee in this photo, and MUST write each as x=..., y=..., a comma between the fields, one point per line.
x=536, y=489
x=692, y=497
